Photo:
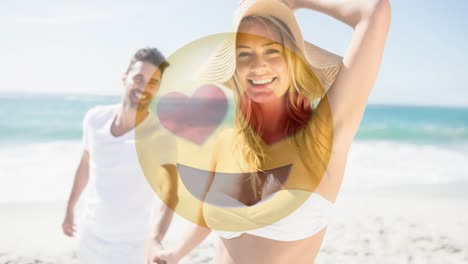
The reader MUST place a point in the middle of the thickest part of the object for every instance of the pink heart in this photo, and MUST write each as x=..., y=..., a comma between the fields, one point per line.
x=193, y=118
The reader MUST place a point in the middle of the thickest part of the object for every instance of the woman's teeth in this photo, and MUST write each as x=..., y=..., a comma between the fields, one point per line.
x=262, y=81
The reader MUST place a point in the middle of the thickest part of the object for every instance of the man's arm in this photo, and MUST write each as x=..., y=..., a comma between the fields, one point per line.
x=80, y=182
x=166, y=179
x=167, y=176
x=194, y=235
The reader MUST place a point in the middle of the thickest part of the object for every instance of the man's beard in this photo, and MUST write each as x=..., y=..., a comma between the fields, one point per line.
x=143, y=107
x=133, y=102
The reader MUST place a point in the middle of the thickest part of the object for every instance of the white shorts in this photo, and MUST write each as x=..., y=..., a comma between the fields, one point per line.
x=96, y=250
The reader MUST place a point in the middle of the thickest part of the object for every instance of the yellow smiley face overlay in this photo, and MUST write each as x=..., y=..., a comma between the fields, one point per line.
x=214, y=179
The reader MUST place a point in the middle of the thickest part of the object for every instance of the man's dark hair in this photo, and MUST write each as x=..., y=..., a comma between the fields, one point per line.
x=149, y=55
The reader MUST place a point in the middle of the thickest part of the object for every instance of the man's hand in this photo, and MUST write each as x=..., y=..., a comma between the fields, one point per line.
x=68, y=225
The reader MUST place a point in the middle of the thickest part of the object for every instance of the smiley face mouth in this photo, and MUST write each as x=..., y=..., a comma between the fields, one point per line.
x=194, y=179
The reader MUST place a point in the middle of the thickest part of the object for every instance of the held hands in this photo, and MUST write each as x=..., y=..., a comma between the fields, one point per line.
x=152, y=246
x=166, y=257
x=68, y=226
x=156, y=254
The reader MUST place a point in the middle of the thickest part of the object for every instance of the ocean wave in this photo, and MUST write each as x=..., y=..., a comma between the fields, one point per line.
x=419, y=133
x=46, y=118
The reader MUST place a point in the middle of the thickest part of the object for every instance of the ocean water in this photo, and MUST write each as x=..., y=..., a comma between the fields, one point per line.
x=396, y=145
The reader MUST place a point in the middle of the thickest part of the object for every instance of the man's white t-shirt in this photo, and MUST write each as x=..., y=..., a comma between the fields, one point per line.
x=119, y=201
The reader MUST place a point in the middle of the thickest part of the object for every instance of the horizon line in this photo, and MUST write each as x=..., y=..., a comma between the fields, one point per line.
x=107, y=94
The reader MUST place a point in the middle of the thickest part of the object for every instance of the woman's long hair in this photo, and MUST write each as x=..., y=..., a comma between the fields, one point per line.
x=310, y=130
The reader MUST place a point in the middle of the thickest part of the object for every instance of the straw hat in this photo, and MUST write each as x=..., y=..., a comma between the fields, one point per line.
x=221, y=66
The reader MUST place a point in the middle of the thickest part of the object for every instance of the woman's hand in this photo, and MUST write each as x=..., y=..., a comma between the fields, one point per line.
x=290, y=3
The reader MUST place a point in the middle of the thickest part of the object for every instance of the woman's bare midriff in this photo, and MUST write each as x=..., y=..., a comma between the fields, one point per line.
x=250, y=249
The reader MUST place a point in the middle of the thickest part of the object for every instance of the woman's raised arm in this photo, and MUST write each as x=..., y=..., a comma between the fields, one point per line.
x=349, y=93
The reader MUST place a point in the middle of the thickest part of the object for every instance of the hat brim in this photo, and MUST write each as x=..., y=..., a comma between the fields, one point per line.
x=221, y=66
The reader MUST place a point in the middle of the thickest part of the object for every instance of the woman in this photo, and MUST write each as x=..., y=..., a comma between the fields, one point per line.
x=298, y=108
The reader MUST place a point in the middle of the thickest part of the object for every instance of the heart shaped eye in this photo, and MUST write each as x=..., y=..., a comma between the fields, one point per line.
x=193, y=118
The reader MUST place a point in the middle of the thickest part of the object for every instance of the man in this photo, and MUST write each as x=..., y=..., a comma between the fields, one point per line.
x=118, y=211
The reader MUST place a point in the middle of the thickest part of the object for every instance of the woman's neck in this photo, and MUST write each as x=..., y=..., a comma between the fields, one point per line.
x=274, y=117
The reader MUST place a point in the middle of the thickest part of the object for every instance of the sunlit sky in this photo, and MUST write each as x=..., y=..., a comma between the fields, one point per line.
x=84, y=46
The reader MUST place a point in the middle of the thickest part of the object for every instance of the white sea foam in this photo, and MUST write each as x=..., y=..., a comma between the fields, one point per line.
x=45, y=171
x=383, y=164
x=39, y=171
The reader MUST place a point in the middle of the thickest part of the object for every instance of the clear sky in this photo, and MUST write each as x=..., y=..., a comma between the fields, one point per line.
x=84, y=46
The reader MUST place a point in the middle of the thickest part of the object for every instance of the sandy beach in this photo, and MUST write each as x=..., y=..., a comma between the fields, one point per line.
x=367, y=228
